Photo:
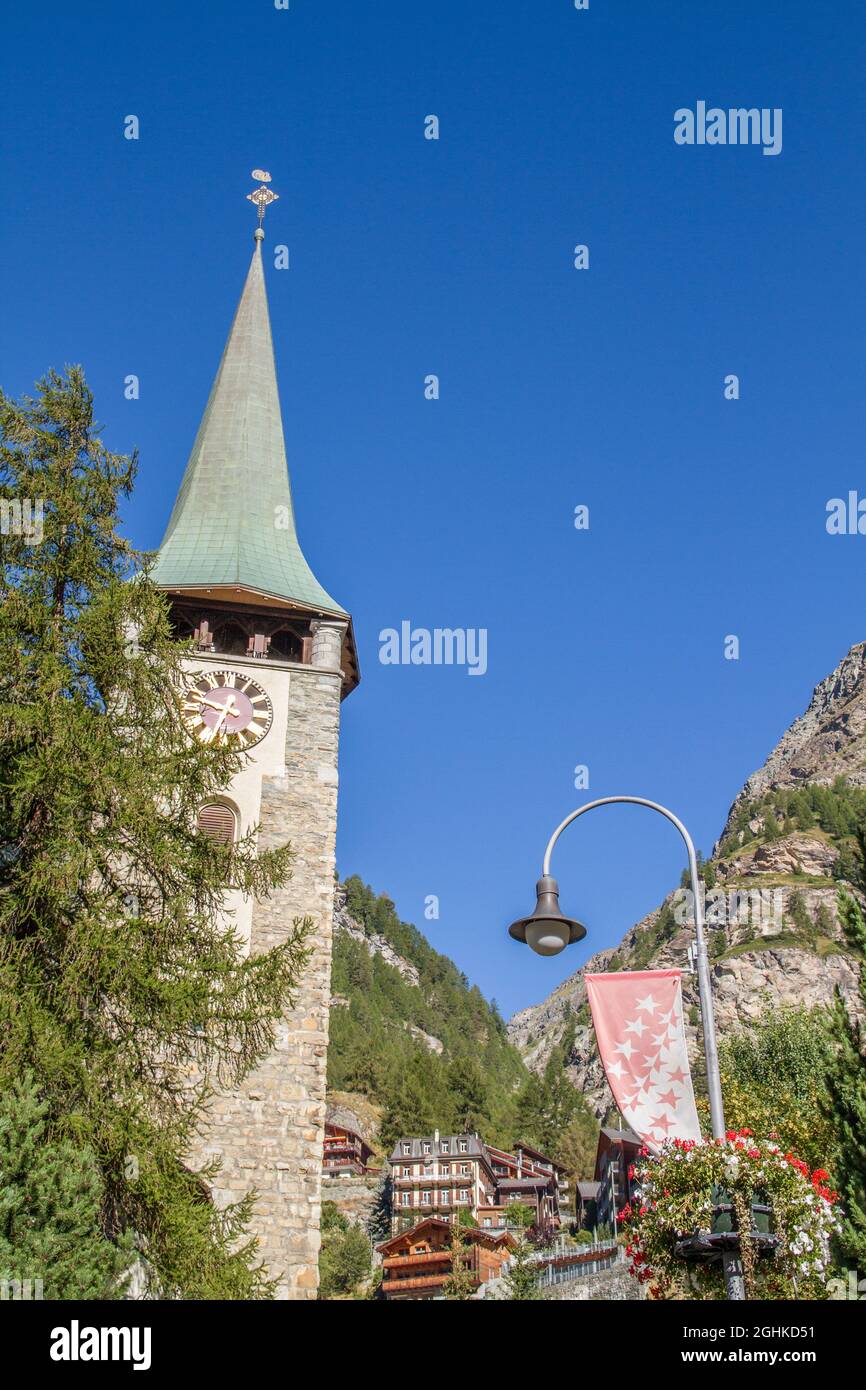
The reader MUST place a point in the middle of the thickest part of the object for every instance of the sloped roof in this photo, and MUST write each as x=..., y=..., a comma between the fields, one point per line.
x=233, y=521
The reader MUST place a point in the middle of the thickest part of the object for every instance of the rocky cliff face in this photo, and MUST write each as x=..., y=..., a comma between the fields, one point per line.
x=824, y=743
x=772, y=918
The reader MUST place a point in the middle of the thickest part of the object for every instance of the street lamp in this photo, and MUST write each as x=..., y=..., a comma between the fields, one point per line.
x=547, y=931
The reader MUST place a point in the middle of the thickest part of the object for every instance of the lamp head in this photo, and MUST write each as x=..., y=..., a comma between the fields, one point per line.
x=546, y=931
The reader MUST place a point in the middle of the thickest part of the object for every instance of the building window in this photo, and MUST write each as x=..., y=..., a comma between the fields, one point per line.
x=426, y=1199
x=446, y=1196
x=218, y=822
x=487, y=1221
x=405, y=1198
x=426, y=1148
x=464, y=1194
x=407, y=1171
x=464, y=1147
x=407, y=1148
x=446, y=1148
x=465, y=1169
x=445, y=1169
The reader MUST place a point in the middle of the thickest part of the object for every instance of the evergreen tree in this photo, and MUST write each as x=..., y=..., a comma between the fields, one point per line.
x=118, y=971
x=344, y=1259
x=771, y=826
x=546, y=1106
x=411, y=1108
x=468, y=1096
x=51, y=1207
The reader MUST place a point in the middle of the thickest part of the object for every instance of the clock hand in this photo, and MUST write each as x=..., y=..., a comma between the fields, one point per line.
x=216, y=704
x=214, y=729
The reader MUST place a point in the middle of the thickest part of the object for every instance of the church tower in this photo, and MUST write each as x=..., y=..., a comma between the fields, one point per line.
x=274, y=656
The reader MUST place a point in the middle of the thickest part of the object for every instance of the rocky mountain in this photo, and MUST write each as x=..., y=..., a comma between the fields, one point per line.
x=771, y=895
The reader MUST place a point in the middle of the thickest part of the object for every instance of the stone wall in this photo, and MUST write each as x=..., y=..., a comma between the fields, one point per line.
x=269, y=1134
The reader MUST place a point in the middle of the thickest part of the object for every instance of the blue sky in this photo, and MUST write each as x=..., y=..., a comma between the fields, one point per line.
x=558, y=387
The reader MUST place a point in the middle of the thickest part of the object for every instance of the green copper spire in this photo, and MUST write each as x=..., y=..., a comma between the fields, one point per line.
x=233, y=524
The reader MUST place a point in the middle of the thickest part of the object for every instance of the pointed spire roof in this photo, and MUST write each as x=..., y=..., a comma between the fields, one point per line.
x=233, y=524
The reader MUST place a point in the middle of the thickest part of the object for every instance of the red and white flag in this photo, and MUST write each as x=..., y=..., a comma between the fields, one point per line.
x=638, y=1019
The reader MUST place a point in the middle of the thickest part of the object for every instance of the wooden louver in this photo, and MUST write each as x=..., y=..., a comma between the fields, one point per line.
x=217, y=822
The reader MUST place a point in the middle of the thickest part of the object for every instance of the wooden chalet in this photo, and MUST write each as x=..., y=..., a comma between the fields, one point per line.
x=416, y=1263
x=617, y=1150
x=345, y=1151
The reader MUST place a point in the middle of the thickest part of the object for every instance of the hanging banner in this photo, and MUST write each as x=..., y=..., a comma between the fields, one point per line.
x=638, y=1021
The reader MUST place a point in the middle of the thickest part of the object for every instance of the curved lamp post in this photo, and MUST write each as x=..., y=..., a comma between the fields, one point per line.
x=547, y=931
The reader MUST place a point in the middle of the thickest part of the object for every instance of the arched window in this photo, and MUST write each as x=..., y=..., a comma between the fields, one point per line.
x=219, y=822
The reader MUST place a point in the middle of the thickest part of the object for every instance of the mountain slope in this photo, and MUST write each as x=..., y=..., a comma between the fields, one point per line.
x=409, y=1032
x=772, y=886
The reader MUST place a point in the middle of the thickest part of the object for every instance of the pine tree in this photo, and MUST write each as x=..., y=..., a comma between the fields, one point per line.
x=118, y=972
x=469, y=1096
x=51, y=1208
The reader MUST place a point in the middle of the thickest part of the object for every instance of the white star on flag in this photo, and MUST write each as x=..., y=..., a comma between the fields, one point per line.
x=643, y=1078
x=649, y=1004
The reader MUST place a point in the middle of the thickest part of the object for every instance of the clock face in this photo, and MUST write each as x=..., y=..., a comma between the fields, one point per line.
x=226, y=707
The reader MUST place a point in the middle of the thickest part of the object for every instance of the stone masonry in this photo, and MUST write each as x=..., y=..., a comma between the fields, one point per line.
x=269, y=1134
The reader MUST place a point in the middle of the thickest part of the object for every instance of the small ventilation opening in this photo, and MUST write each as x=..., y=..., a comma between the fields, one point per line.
x=218, y=823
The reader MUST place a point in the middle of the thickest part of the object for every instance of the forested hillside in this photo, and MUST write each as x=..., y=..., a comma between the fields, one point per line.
x=409, y=1032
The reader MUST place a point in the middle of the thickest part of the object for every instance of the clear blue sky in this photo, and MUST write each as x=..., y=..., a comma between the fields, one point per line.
x=558, y=387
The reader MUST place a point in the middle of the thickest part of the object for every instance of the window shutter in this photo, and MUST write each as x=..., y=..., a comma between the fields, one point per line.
x=218, y=823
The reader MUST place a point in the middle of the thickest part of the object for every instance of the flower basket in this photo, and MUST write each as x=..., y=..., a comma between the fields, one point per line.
x=695, y=1201
x=724, y=1235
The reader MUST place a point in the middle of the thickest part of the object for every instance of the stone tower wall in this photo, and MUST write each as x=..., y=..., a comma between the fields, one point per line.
x=269, y=1135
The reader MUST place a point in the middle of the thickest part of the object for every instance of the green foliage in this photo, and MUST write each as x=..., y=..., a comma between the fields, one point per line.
x=846, y=1101
x=521, y=1277
x=461, y=1282
x=651, y=938
x=470, y=1086
x=555, y=1118
x=345, y=1259
x=117, y=969
x=51, y=1201
x=706, y=873
x=520, y=1215
x=838, y=810
x=775, y=1080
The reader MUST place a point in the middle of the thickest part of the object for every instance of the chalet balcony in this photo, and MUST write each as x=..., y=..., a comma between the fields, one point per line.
x=426, y=1257
x=432, y=1282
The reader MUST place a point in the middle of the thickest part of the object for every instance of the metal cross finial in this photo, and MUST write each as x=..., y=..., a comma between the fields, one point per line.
x=262, y=196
